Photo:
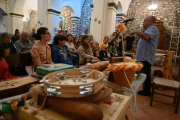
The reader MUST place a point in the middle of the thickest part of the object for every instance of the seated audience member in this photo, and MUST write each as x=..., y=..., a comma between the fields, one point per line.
x=71, y=48
x=65, y=32
x=33, y=31
x=85, y=51
x=90, y=38
x=4, y=68
x=23, y=45
x=58, y=31
x=32, y=38
x=18, y=70
x=97, y=44
x=95, y=49
x=103, y=54
x=76, y=42
x=6, y=37
x=117, y=42
x=61, y=32
x=129, y=43
x=113, y=49
x=59, y=50
x=85, y=31
x=41, y=52
x=105, y=42
x=113, y=36
x=15, y=37
x=80, y=38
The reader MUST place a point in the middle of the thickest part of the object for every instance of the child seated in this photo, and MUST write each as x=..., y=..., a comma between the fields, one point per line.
x=4, y=68
x=103, y=54
x=60, y=51
x=113, y=49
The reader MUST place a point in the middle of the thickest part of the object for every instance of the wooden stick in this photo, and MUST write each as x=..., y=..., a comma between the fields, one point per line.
x=123, y=46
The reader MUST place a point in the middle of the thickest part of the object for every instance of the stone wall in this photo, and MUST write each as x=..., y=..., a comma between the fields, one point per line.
x=32, y=23
x=165, y=12
x=85, y=19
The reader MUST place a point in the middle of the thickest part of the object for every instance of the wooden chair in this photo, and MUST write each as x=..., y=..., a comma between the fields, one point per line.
x=20, y=59
x=170, y=85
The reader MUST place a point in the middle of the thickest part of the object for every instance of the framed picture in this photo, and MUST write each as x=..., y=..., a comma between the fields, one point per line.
x=55, y=30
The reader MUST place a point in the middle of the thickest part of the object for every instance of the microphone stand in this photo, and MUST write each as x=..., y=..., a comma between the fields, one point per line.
x=111, y=43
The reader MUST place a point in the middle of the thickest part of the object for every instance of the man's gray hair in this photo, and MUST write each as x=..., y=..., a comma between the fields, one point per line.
x=3, y=35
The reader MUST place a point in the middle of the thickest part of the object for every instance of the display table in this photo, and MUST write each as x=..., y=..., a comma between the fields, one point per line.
x=115, y=111
x=136, y=84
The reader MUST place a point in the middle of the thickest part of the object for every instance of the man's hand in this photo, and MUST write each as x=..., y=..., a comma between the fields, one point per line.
x=142, y=35
x=131, y=33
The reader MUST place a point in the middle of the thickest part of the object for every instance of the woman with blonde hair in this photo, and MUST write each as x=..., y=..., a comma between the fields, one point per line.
x=95, y=48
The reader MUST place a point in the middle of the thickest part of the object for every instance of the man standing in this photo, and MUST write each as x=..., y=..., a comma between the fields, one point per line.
x=23, y=45
x=146, y=50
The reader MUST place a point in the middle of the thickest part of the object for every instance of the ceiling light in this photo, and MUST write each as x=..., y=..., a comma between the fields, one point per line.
x=152, y=7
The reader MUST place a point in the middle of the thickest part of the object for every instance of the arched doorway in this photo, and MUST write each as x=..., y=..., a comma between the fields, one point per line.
x=23, y=12
x=65, y=22
x=31, y=22
x=30, y=15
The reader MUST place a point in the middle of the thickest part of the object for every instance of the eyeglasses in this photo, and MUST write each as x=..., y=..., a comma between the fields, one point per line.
x=47, y=33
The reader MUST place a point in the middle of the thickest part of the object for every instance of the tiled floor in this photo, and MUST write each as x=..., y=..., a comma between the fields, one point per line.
x=157, y=111
x=144, y=111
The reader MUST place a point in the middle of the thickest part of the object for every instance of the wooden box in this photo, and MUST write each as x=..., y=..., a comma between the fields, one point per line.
x=16, y=86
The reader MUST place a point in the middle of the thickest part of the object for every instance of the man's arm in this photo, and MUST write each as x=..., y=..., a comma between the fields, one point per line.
x=18, y=47
x=142, y=35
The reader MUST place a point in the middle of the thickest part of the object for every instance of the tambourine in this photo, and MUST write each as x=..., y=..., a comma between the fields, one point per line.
x=73, y=83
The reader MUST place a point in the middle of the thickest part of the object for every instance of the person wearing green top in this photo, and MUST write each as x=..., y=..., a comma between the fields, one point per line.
x=113, y=50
